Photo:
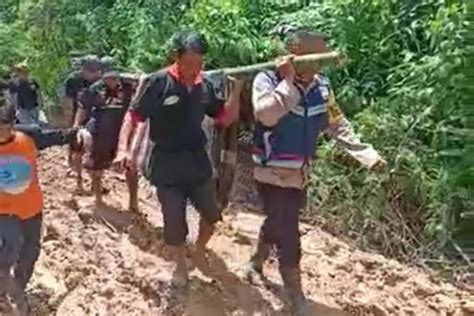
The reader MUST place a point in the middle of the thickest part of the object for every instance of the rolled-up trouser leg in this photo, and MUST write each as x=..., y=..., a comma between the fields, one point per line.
x=10, y=248
x=30, y=250
x=281, y=226
x=203, y=197
x=173, y=206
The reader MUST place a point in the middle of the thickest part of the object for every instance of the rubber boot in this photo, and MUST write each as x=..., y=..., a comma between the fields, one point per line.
x=180, y=274
x=293, y=287
x=254, y=267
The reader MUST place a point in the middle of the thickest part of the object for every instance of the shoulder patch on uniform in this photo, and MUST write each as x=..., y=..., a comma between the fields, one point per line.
x=173, y=99
x=322, y=80
x=324, y=92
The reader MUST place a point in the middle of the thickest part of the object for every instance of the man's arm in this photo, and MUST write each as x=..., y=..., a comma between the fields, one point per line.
x=89, y=100
x=39, y=100
x=80, y=117
x=129, y=124
x=70, y=93
x=225, y=112
x=11, y=94
x=341, y=131
x=270, y=102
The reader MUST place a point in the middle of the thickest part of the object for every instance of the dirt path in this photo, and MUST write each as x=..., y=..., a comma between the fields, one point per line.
x=115, y=264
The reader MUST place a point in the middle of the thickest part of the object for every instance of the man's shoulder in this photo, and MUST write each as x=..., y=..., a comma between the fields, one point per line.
x=73, y=77
x=126, y=83
x=322, y=80
x=158, y=80
x=266, y=78
x=25, y=141
x=12, y=84
x=97, y=86
x=158, y=75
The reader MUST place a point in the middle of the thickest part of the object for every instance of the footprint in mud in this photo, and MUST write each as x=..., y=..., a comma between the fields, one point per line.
x=226, y=294
x=41, y=303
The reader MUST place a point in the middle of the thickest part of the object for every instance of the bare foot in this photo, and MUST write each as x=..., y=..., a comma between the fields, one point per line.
x=99, y=203
x=200, y=261
x=133, y=207
x=253, y=274
x=180, y=277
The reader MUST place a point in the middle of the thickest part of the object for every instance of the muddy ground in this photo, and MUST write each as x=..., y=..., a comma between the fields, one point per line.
x=110, y=261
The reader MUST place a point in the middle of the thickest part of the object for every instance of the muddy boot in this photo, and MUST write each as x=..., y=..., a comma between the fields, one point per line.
x=293, y=287
x=206, y=231
x=180, y=273
x=254, y=268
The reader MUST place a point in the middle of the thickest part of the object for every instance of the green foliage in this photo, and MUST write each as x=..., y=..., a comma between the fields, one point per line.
x=405, y=89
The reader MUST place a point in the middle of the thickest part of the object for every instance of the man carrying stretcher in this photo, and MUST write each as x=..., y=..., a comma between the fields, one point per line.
x=105, y=103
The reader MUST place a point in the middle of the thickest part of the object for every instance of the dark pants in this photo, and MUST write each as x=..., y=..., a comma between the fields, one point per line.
x=105, y=130
x=173, y=200
x=281, y=225
x=45, y=138
x=20, y=242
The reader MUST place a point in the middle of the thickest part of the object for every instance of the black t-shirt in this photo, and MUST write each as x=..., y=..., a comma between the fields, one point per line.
x=75, y=85
x=27, y=93
x=179, y=155
x=98, y=97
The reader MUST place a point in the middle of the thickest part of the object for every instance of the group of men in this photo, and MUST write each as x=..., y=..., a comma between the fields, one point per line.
x=96, y=99
x=24, y=93
x=293, y=106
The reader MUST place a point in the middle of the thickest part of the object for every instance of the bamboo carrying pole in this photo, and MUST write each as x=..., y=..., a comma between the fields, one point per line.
x=225, y=143
x=324, y=59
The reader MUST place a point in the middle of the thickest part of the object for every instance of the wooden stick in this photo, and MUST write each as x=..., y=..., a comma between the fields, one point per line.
x=325, y=58
x=246, y=70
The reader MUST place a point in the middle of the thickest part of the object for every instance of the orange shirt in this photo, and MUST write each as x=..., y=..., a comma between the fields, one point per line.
x=20, y=193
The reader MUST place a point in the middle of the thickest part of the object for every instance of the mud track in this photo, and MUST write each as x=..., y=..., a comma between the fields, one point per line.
x=110, y=261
